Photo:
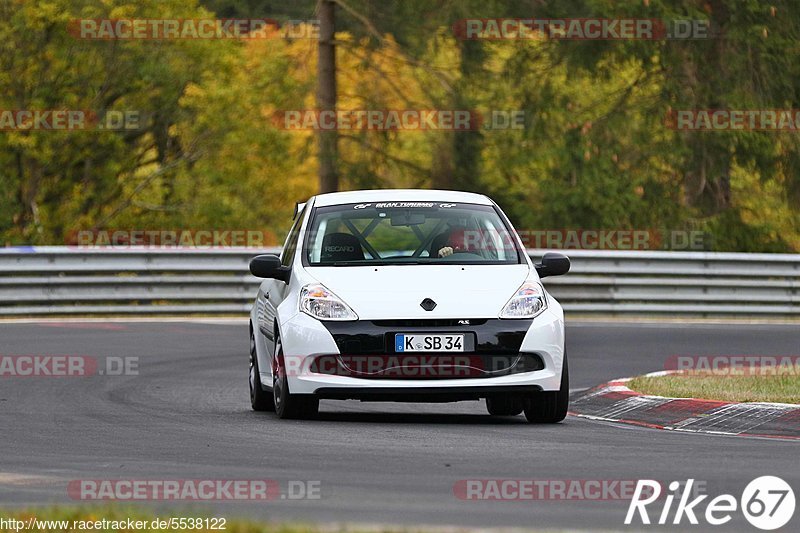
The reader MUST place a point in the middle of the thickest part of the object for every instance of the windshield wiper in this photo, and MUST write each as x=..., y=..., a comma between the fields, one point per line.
x=371, y=263
x=344, y=263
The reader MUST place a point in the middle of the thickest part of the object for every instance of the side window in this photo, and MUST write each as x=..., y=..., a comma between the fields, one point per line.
x=289, y=249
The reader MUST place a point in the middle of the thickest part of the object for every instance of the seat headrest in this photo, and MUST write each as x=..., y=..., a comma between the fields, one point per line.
x=341, y=247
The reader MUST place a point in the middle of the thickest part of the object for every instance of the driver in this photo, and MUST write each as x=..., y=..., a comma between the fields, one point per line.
x=457, y=241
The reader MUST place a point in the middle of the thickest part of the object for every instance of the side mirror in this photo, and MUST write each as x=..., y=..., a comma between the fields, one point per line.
x=553, y=264
x=269, y=266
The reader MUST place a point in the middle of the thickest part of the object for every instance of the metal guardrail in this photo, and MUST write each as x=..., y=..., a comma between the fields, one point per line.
x=69, y=281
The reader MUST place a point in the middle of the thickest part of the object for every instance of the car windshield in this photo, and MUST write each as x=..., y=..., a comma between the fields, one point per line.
x=409, y=233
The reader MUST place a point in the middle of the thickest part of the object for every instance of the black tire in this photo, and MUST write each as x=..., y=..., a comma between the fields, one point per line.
x=288, y=405
x=505, y=405
x=550, y=407
x=260, y=400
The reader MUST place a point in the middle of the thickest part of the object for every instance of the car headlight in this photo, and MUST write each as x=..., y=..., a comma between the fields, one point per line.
x=529, y=301
x=319, y=302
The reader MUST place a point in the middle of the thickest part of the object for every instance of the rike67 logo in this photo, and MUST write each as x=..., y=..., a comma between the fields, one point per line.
x=767, y=503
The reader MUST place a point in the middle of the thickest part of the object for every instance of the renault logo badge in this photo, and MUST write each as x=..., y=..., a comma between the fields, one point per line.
x=428, y=304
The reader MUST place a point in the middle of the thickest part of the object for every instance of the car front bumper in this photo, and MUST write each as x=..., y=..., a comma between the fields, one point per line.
x=305, y=339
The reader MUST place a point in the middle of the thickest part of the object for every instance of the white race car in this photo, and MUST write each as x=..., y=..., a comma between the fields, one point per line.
x=406, y=295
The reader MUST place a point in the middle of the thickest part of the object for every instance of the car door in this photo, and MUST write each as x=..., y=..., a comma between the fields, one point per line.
x=272, y=291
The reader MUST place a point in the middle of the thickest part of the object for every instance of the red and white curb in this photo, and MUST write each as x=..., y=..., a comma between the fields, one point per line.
x=615, y=402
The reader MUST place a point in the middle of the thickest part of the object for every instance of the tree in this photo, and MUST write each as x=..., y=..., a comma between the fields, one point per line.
x=58, y=181
x=326, y=95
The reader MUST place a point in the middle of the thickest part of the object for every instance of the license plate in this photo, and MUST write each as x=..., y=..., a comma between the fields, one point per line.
x=404, y=342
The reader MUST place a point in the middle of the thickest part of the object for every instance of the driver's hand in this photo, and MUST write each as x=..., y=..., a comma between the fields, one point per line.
x=444, y=252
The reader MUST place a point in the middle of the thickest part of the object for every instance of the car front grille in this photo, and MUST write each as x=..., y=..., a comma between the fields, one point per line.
x=426, y=366
x=430, y=322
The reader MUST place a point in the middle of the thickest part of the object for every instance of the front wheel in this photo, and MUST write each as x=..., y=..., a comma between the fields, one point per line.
x=550, y=407
x=288, y=405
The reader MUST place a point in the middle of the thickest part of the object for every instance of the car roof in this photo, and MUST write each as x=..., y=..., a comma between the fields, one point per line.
x=399, y=195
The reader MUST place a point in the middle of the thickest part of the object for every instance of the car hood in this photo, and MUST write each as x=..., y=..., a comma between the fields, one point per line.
x=395, y=292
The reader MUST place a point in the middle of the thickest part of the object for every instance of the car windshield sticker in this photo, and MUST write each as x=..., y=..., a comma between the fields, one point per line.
x=403, y=204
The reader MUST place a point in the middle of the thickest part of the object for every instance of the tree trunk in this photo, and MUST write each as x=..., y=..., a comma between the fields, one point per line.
x=467, y=144
x=326, y=96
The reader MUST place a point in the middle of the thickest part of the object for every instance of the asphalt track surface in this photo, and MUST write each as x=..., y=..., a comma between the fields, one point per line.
x=187, y=415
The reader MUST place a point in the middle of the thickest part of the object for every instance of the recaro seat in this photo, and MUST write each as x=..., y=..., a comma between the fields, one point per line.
x=340, y=247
